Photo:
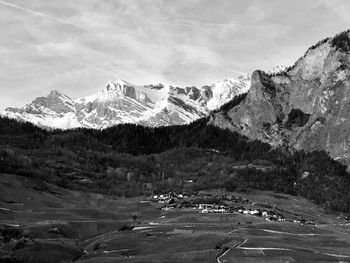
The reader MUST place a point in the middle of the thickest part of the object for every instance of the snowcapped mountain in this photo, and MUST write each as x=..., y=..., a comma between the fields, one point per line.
x=122, y=102
x=54, y=110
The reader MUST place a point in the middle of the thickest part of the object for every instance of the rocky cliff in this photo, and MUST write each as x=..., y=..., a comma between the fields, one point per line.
x=306, y=106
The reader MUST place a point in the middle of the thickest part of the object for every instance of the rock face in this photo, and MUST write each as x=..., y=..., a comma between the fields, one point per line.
x=122, y=102
x=307, y=106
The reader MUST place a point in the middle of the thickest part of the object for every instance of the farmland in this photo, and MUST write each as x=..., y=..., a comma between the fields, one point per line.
x=41, y=222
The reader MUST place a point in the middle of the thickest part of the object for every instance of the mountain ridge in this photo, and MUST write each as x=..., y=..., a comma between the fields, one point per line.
x=305, y=107
x=122, y=102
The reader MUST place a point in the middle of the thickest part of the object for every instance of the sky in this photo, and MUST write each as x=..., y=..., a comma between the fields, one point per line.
x=77, y=46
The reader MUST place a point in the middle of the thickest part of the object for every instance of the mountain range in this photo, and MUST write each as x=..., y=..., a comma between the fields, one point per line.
x=122, y=102
x=304, y=107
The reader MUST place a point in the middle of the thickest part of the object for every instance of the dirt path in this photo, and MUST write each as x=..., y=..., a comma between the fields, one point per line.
x=288, y=233
x=228, y=249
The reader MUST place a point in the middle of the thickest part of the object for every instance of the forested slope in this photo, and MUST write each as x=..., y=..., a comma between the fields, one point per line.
x=118, y=160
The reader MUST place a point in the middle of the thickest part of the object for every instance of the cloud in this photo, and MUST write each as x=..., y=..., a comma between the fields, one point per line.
x=77, y=46
x=33, y=12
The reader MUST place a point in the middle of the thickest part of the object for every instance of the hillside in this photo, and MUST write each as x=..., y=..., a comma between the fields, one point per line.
x=118, y=160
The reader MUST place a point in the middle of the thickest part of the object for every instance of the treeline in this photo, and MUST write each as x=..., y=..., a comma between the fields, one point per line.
x=342, y=41
x=118, y=160
x=138, y=140
x=135, y=139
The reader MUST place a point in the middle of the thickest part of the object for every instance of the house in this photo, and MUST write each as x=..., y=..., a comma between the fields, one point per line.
x=220, y=210
x=255, y=212
x=205, y=206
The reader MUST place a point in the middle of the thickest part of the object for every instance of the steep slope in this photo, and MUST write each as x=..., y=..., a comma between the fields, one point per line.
x=305, y=107
x=122, y=102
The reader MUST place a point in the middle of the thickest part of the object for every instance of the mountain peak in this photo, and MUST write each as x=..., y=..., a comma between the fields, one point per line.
x=277, y=69
x=54, y=93
x=122, y=82
x=116, y=89
x=116, y=85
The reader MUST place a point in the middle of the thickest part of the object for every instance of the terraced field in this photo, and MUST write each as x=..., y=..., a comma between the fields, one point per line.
x=45, y=223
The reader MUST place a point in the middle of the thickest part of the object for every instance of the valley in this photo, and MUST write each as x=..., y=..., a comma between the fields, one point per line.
x=211, y=154
x=59, y=225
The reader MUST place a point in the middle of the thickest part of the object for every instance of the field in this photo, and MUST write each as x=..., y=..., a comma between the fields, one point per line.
x=40, y=222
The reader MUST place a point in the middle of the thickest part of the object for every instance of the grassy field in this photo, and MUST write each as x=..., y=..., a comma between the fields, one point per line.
x=45, y=223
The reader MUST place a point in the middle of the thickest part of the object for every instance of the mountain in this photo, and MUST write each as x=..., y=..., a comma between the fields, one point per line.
x=54, y=110
x=305, y=107
x=122, y=102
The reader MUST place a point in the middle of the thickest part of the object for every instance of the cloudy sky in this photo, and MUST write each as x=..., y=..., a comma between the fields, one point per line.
x=76, y=46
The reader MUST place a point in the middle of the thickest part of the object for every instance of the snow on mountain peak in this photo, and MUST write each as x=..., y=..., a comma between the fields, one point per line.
x=277, y=69
x=123, y=82
x=224, y=90
x=119, y=89
x=118, y=84
x=122, y=102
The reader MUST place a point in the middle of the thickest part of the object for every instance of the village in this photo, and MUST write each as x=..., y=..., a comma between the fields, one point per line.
x=222, y=204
